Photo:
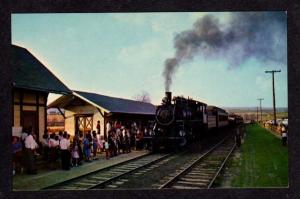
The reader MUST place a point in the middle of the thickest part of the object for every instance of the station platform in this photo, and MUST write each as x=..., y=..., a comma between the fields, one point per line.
x=45, y=177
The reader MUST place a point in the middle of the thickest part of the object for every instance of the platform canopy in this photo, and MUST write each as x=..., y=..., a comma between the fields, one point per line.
x=29, y=73
x=109, y=104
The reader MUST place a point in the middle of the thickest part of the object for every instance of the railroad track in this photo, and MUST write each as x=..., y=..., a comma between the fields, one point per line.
x=202, y=171
x=106, y=176
x=119, y=181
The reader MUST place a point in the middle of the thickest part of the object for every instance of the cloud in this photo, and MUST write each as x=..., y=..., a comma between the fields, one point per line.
x=263, y=83
x=144, y=53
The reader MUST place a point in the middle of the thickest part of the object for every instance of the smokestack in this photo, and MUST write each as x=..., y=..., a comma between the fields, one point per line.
x=169, y=97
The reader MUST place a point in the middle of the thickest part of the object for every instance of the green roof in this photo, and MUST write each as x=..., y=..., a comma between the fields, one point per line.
x=29, y=73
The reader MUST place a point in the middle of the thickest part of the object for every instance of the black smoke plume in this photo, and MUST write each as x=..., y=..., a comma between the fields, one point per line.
x=259, y=35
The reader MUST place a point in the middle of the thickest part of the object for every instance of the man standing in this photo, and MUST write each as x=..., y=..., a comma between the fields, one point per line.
x=30, y=146
x=53, y=144
x=64, y=153
x=283, y=135
x=108, y=127
x=98, y=127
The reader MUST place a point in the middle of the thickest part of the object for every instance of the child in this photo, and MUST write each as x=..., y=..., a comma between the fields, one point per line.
x=95, y=145
x=100, y=143
x=106, y=145
x=17, y=149
x=87, y=148
x=75, y=153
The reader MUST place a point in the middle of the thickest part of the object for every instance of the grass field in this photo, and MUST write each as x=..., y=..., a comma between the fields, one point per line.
x=263, y=161
x=252, y=114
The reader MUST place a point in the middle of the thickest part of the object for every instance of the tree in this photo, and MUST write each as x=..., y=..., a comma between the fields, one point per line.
x=144, y=96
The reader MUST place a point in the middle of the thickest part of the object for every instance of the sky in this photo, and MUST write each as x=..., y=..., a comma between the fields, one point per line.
x=124, y=54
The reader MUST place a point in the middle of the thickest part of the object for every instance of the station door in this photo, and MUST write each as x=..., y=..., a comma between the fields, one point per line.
x=30, y=120
x=84, y=123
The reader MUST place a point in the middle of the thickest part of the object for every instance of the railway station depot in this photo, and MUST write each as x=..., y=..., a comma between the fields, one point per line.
x=32, y=83
x=83, y=110
x=263, y=162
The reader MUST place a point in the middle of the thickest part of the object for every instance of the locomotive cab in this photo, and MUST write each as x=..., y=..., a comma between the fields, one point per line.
x=179, y=121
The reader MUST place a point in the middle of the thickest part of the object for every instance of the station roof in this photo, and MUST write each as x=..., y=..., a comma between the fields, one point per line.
x=29, y=73
x=110, y=104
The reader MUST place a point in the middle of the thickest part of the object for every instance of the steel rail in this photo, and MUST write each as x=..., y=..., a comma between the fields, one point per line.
x=192, y=164
x=108, y=168
x=221, y=167
x=96, y=171
x=128, y=172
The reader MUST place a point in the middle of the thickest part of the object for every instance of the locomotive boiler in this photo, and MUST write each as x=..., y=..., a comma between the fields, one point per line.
x=181, y=121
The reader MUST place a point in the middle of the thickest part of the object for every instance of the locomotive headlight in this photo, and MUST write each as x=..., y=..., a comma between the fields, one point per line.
x=181, y=133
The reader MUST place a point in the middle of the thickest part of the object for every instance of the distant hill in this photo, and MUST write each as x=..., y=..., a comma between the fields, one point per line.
x=254, y=109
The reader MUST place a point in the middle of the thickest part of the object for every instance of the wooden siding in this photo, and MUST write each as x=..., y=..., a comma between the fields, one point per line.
x=29, y=97
x=29, y=108
x=42, y=125
x=17, y=117
x=72, y=111
x=28, y=100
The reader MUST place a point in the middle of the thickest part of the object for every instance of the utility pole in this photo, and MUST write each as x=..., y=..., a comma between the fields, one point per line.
x=260, y=108
x=257, y=113
x=273, y=84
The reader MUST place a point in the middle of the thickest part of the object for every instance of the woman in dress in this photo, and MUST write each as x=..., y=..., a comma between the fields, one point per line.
x=95, y=145
x=75, y=152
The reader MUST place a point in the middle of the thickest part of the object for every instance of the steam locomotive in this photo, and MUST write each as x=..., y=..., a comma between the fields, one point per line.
x=182, y=120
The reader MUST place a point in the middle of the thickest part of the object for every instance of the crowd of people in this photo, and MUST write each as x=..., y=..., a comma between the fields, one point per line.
x=281, y=129
x=73, y=151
